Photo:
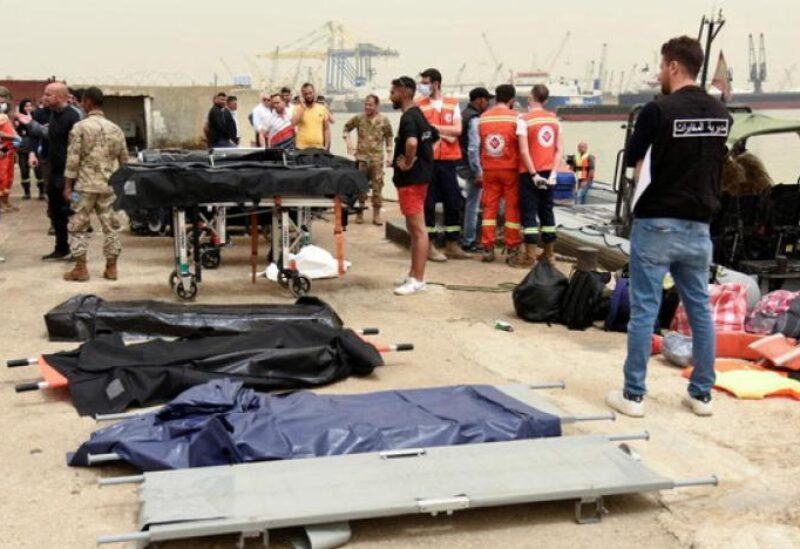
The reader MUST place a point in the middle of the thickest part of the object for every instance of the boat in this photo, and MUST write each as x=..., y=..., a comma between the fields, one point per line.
x=593, y=113
x=563, y=91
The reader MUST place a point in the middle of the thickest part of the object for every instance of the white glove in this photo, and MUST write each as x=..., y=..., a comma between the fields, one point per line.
x=539, y=181
x=551, y=181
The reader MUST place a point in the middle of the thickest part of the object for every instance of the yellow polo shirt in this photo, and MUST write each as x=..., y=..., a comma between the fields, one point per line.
x=310, y=129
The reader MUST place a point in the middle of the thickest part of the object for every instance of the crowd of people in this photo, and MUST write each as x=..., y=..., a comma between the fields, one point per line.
x=71, y=149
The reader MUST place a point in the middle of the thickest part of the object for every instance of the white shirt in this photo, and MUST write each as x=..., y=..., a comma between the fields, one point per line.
x=276, y=123
x=260, y=115
x=235, y=116
x=437, y=105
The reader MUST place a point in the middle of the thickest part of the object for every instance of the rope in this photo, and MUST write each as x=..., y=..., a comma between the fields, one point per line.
x=503, y=287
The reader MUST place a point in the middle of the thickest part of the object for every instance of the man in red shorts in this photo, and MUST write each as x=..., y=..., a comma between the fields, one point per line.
x=413, y=169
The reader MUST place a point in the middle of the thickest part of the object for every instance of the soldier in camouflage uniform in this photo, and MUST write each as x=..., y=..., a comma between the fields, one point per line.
x=374, y=133
x=96, y=149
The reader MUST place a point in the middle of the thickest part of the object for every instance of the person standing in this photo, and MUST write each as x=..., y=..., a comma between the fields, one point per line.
x=55, y=136
x=28, y=163
x=219, y=124
x=469, y=168
x=374, y=134
x=413, y=170
x=540, y=146
x=286, y=95
x=500, y=162
x=232, y=105
x=443, y=114
x=312, y=121
x=96, y=149
x=277, y=130
x=677, y=149
x=584, y=172
x=9, y=145
x=259, y=116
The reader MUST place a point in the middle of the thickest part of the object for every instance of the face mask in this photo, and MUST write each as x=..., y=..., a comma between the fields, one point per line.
x=3, y=108
x=424, y=90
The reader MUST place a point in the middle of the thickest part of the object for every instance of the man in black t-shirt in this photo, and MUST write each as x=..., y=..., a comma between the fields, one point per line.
x=413, y=169
x=677, y=149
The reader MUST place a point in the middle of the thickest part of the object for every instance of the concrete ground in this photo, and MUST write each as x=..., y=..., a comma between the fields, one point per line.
x=751, y=445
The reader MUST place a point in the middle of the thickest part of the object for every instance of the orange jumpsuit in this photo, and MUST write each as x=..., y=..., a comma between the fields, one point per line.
x=9, y=159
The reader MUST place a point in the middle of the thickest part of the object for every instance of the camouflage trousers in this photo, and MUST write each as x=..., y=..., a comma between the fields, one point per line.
x=100, y=204
x=374, y=171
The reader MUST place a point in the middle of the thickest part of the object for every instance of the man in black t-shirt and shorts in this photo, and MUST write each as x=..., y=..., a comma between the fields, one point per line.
x=413, y=169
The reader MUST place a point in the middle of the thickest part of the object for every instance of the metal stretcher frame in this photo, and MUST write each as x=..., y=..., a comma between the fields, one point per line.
x=188, y=267
x=322, y=494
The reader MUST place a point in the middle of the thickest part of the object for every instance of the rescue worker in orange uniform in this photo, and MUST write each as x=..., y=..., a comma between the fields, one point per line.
x=444, y=114
x=500, y=162
x=540, y=147
x=9, y=143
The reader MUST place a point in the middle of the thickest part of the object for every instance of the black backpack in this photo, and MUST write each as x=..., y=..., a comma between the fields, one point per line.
x=581, y=302
x=538, y=297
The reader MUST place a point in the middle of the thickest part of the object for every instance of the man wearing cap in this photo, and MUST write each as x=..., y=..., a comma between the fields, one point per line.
x=469, y=169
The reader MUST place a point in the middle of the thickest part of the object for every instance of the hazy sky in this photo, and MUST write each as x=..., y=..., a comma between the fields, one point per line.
x=160, y=41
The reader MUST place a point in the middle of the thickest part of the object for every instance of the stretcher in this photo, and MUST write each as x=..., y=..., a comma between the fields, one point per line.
x=323, y=494
x=286, y=187
x=303, y=424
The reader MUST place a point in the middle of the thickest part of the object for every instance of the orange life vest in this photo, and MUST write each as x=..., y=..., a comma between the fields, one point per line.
x=442, y=150
x=499, y=144
x=582, y=166
x=543, y=133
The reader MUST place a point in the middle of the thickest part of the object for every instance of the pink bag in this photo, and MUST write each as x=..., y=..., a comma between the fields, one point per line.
x=763, y=318
x=728, y=309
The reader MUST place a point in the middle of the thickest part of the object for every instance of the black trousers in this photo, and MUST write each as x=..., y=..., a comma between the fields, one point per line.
x=444, y=188
x=25, y=169
x=536, y=210
x=59, y=211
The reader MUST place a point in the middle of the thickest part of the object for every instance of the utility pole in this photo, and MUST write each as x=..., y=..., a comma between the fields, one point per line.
x=711, y=28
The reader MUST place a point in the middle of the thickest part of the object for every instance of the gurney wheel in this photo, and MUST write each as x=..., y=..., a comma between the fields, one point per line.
x=285, y=276
x=187, y=293
x=210, y=258
x=301, y=285
x=173, y=279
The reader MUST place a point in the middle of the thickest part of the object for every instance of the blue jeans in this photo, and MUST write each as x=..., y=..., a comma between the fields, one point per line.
x=472, y=203
x=582, y=191
x=682, y=248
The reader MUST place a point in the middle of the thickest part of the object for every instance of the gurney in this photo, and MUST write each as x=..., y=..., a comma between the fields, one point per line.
x=106, y=375
x=222, y=423
x=323, y=494
x=84, y=317
x=252, y=180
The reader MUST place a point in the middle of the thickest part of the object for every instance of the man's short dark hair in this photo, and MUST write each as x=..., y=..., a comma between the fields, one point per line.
x=232, y=98
x=274, y=95
x=286, y=89
x=686, y=51
x=505, y=93
x=433, y=74
x=405, y=82
x=307, y=85
x=221, y=94
x=373, y=97
x=95, y=95
x=540, y=93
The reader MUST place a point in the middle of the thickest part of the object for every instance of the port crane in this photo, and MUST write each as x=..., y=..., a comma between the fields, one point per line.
x=758, y=64
x=498, y=66
x=348, y=62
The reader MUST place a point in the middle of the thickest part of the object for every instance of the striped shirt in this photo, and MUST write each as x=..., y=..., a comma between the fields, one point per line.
x=279, y=130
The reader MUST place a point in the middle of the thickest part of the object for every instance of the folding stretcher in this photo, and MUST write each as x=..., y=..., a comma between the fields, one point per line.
x=256, y=182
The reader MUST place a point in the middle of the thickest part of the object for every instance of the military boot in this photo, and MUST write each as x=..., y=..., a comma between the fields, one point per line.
x=525, y=258
x=26, y=189
x=376, y=216
x=488, y=255
x=548, y=252
x=40, y=188
x=111, y=269
x=79, y=273
x=453, y=251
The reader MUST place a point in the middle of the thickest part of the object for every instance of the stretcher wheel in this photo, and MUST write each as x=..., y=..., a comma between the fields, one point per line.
x=187, y=293
x=210, y=258
x=173, y=280
x=300, y=286
x=285, y=276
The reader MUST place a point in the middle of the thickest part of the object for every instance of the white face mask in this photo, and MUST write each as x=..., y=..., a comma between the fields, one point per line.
x=424, y=90
x=3, y=107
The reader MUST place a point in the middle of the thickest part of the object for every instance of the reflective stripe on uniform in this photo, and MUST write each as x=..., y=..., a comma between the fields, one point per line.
x=499, y=118
x=488, y=222
x=512, y=225
x=533, y=121
x=548, y=229
x=530, y=230
x=452, y=228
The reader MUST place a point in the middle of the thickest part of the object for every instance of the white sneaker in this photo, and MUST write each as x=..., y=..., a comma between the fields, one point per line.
x=699, y=407
x=402, y=280
x=409, y=287
x=617, y=401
